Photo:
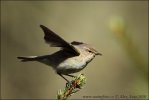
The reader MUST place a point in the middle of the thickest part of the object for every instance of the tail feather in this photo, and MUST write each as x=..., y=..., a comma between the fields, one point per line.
x=29, y=58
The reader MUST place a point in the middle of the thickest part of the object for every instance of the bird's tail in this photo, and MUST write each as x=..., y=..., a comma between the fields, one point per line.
x=28, y=58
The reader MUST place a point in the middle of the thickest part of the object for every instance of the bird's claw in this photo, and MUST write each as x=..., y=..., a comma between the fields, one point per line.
x=69, y=84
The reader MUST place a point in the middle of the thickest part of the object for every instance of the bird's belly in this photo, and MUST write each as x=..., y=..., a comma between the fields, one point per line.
x=71, y=66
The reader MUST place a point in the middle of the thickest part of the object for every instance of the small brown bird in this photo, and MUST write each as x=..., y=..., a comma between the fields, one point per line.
x=71, y=58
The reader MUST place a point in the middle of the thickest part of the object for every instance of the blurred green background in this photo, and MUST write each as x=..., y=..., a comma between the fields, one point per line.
x=117, y=29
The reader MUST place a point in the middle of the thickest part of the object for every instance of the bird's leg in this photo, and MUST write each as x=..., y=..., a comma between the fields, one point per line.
x=63, y=77
x=70, y=75
x=68, y=84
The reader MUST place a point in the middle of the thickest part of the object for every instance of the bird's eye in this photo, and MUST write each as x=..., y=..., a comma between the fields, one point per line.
x=89, y=51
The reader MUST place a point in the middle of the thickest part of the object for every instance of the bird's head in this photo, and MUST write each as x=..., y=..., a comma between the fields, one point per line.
x=85, y=49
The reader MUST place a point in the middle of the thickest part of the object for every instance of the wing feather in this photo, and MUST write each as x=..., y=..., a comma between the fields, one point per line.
x=56, y=41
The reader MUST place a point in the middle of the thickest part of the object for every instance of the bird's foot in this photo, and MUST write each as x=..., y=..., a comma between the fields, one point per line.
x=70, y=75
x=69, y=84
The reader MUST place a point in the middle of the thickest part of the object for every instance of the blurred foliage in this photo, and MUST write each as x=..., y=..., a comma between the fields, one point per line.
x=118, y=26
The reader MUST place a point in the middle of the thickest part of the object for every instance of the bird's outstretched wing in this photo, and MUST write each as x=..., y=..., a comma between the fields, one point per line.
x=56, y=41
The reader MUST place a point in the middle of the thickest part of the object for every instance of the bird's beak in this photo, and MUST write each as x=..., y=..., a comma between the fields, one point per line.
x=98, y=53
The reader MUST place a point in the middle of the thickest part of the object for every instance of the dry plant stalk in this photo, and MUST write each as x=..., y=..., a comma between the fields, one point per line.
x=74, y=86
